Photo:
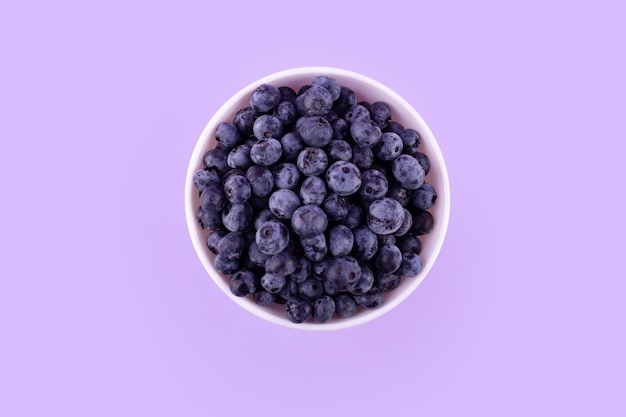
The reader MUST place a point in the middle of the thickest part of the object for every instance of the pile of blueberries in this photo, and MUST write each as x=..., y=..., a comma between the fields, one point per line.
x=315, y=200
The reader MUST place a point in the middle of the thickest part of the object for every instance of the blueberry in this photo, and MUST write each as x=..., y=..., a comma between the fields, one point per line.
x=261, y=180
x=323, y=309
x=283, y=203
x=354, y=218
x=386, y=240
x=289, y=290
x=399, y=193
x=202, y=178
x=340, y=240
x=227, y=135
x=212, y=198
x=237, y=189
x=302, y=271
x=311, y=288
x=408, y=172
x=213, y=239
x=342, y=274
x=363, y=158
x=424, y=161
x=312, y=161
x=409, y=244
x=355, y=113
x=231, y=245
x=273, y=282
x=298, y=309
x=388, y=147
x=341, y=128
x=286, y=175
x=237, y=216
x=272, y=237
x=242, y=283
x=347, y=98
x=244, y=120
x=329, y=84
x=239, y=156
x=339, y=150
x=411, y=265
x=264, y=298
x=287, y=94
x=411, y=140
x=343, y=178
x=380, y=113
x=208, y=219
x=336, y=207
x=387, y=281
x=365, y=243
x=264, y=98
x=385, y=216
x=314, y=247
x=366, y=282
x=315, y=101
x=388, y=258
x=424, y=197
x=394, y=127
x=345, y=306
x=266, y=152
x=313, y=191
x=365, y=132
x=267, y=126
x=423, y=222
x=292, y=145
x=407, y=223
x=216, y=159
x=374, y=186
x=225, y=265
x=285, y=112
x=255, y=256
x=371, y=299
x=314, y=131
x=303, y=89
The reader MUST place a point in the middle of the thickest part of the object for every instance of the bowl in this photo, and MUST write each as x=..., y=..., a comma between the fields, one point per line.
x=367, y=89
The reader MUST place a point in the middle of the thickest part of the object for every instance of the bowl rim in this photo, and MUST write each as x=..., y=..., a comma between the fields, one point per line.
x=264, y=312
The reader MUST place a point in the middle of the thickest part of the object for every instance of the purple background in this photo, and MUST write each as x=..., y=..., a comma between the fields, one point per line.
x=105, y=309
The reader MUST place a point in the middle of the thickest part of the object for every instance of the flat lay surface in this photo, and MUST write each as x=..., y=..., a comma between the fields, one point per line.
x=107, y=310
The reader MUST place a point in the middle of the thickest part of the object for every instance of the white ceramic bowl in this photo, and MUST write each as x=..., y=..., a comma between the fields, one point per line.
x=366, y=89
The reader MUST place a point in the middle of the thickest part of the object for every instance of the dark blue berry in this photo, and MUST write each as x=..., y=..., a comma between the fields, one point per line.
x=347, y=98
x=255, y=256
x=243, y=283
x=355, y=113
x=298, y=310
x=407, y=223
x=323, y=309
x=408, y=172
x=343, y=178
x=292, y=145
x=380, y=113
x=264, y=298
x=340, y=240
x=283, y=203
x=272, y=237
x=411, y=140
x=342, y=274
x=286, y=175
x=315, y=101
x=411, y=265
x=423, y=222
x=202, y=178
x=366, y=282
x=237, y=189
x=345, y=306
x=363, y=158
x=267, y=126
x=314, y=247
x=374, y=185
x=312, y=161
x=227, y=135
x=394, y=127
x=399, y=193
x=261, y=180
x=244, y=120
x=387, y=281
x=339, y=150
x=265, y=97
x=225, y=265
x=385, y=216
x=365, y=132
x=341, y=128
x=336, y=207
x=311, y=288
x=371, y=299
x=208, y=219
x=216, y=159
x=365, y=243
x=266, y=152
x=273, y=282
x=389, y=147
x=329, y=84
x=239, y=156
x=262, y=216
x=314, y=131
x=212, y=198
x=424, y=161
x=424, y=197
x=287, y=94
x=231, y=245
x=285, y=112
x=213, y=239
x=283, y=263
x=388, y=258
x=303, y=269
x=409, y=244
x=313, y=190
x=237, y=216
x=355, y=216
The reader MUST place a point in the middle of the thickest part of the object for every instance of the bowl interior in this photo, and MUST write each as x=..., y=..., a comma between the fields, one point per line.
x=366, y=89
